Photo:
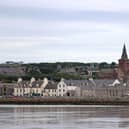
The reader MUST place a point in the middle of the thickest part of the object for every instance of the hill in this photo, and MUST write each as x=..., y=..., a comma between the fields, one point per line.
x=54, y=71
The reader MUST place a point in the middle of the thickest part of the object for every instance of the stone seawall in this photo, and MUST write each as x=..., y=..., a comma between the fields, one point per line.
x=65, y=100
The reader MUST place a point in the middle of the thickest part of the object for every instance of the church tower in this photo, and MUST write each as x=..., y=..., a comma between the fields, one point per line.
x=123, y=69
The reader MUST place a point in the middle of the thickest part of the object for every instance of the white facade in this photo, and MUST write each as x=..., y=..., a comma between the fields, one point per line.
x=27, y=89
x=44, y=88
x=37, y=90
x=50, y=92
x=61, y=88
x=73, y=91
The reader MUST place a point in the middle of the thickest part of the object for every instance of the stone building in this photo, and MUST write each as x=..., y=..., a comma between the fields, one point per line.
x=7, y=89
x=116, y=86
x=123, y=69
x=101, y=88
x=50, y=89
x=43, y=87
x=28, y=88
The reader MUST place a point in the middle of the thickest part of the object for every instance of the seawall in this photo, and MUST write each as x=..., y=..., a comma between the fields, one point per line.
x=64, y=100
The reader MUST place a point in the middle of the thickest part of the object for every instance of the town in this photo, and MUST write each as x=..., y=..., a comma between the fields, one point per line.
x=115, y=86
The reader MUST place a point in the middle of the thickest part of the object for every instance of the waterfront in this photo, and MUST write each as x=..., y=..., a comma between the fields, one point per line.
x=63, y=117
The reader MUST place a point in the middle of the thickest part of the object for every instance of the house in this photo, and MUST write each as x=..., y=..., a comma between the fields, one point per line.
x=30, y=88
x=50, y=89
x=61, y=88
x=6, y=89
x=43, y=87
x=99, y=88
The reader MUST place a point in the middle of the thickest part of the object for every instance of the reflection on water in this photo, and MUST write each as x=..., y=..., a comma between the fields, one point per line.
x=64, y=117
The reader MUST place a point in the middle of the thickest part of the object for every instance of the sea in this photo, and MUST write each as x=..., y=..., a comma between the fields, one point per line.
x=64, y=117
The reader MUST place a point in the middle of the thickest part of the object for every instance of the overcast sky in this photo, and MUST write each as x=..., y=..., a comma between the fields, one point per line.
x=63, y=30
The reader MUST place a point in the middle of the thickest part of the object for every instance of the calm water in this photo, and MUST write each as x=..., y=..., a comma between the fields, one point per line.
x=64, y=117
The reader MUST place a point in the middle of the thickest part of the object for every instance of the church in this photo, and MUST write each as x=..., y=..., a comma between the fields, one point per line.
x=123, y=66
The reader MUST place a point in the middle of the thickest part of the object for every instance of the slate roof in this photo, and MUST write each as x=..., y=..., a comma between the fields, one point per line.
x=51, y=85
x=124, y=53
x=27, y=84
x=9, y=85
x=90, y=84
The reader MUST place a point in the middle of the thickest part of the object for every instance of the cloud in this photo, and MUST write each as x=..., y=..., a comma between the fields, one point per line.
x=99, y=5
x=67, y=30
x=27, y=27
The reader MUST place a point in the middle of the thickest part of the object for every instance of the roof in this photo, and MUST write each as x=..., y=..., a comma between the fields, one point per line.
x=34, y=84
x=90, y=84
x=124, y=53
x=51, y=85
x=9, y=85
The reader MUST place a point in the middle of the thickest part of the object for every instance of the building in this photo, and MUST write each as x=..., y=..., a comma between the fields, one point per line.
x=7, y=89
x=110, y=73
x=116, y=86
x=61, y=88
x=100, y=88
x=123, y=69
x=43, y=87
x=30, y=88
x=50, y=89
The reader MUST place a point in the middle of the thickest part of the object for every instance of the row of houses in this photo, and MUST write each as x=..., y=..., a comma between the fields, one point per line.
x=40, y=88
x=86, y=88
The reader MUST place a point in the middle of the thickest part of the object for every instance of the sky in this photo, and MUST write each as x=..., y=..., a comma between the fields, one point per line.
x=63, y=30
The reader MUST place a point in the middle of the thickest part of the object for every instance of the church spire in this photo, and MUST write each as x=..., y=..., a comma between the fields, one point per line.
x=124, y=53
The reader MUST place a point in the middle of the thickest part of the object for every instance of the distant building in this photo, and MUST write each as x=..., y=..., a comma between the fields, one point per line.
x=50, y=89
x=45, y=88
x=40, y=88
x=100, y=88
x=110, y=73
x=123, y=69
x=61, y=88
x=113, y=83
x=7, y=89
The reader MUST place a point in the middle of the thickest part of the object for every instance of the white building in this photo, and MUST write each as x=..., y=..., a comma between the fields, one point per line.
x=44, y=88
x=61, y=88
x=31, y=88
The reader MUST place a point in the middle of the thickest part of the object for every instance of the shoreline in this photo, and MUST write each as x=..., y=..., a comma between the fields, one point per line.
x=63, y=101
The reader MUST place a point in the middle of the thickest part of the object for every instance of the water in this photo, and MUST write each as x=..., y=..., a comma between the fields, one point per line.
x=64, y=117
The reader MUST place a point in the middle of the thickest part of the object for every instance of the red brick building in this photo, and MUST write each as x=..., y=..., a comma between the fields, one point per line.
x=123, y=68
